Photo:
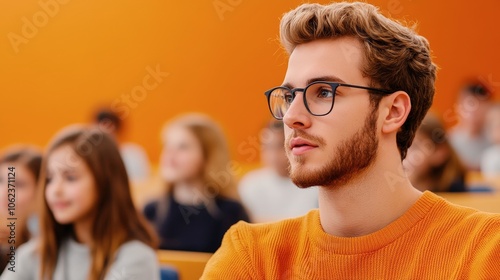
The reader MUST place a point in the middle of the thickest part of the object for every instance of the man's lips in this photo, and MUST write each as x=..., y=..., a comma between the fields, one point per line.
x=299, y=146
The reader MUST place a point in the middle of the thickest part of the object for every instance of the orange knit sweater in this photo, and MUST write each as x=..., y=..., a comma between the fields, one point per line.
x=434, y=239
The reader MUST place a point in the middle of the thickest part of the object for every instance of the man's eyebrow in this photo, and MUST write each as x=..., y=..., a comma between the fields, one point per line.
x=326, y=79
x=334, y=79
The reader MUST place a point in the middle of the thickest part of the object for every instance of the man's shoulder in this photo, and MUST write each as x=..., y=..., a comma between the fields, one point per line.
x=485, y=224
x=466, y=219
x=247, y=249
x=472, y=233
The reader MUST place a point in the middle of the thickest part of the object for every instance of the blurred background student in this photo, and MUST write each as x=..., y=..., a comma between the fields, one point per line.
x=89, y=228
x=431, y=162
x=134, y=156
x=490, y=162
x=468, y=137
x=26, y=162
x=199, y=204
x=268, y=193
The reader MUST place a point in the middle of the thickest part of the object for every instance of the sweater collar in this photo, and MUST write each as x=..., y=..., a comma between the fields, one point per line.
x=376, y=240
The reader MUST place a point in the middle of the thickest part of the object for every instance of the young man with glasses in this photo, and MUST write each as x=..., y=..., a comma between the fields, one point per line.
x=356, y=89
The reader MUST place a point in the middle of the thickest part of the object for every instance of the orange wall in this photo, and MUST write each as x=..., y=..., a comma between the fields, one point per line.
x=90, y=53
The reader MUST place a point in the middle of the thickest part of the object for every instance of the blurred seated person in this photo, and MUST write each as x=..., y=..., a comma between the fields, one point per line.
x=199, y=204
x=431, y=162
x=134, y=156
x=268, y=193
x=26, y=163
x=468, y=137
x=89, y=227
x=490, y=162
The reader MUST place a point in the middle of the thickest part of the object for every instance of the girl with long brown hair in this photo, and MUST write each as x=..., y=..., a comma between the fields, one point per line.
x=90, y=229
x=200, y=201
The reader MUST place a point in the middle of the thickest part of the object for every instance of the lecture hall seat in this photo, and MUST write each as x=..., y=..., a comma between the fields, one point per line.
x=189, y=265
x=484, y=201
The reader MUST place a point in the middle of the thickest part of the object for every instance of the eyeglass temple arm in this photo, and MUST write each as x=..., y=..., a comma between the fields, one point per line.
x=368, y=88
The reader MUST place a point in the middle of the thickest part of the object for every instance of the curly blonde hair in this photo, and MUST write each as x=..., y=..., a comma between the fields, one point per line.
x=395, y=56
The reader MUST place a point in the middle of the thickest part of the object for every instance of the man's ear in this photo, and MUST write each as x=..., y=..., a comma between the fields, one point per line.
x=398, y=106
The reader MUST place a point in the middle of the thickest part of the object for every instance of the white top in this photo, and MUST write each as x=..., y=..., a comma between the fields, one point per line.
x=468, y=149
x=269, y=197
x=136, y=162
x=490, y=162
x=134, y=260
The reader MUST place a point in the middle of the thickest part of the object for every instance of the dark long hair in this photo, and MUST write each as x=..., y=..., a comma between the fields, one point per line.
x=451, y=170
x=117, y=221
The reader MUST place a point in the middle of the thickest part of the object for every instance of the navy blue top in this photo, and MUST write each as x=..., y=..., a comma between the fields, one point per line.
x=193, y=228
x=458, y=185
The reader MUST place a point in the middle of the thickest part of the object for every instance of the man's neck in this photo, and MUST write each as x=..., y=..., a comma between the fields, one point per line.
x=366, y=204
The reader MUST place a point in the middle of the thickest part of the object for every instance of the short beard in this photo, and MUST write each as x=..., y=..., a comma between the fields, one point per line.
x=351, y=157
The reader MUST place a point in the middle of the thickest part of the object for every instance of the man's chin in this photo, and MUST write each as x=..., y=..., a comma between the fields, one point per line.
x=302, y=176
x=303, y=183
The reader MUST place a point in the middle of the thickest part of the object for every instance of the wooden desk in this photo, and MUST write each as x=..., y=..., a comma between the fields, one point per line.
x=190, y=265
x=488, y=202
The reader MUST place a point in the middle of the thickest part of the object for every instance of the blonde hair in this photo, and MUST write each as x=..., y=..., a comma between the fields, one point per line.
x=215, y=150
x=396, y=58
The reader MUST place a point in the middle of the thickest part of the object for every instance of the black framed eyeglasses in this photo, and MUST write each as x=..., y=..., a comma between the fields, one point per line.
x=319, y=97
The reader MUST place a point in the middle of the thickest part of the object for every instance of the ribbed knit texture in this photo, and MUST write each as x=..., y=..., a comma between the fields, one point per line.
x=434, y=239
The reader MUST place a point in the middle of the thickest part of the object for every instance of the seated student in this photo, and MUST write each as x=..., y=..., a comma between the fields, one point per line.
x=197, y=208
x=134, y=156
x=268, y=193
x=490, y=161
x=23, y=162
x=468, y=137
x=356, y=88
x=89, y=228
x=431, y=163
